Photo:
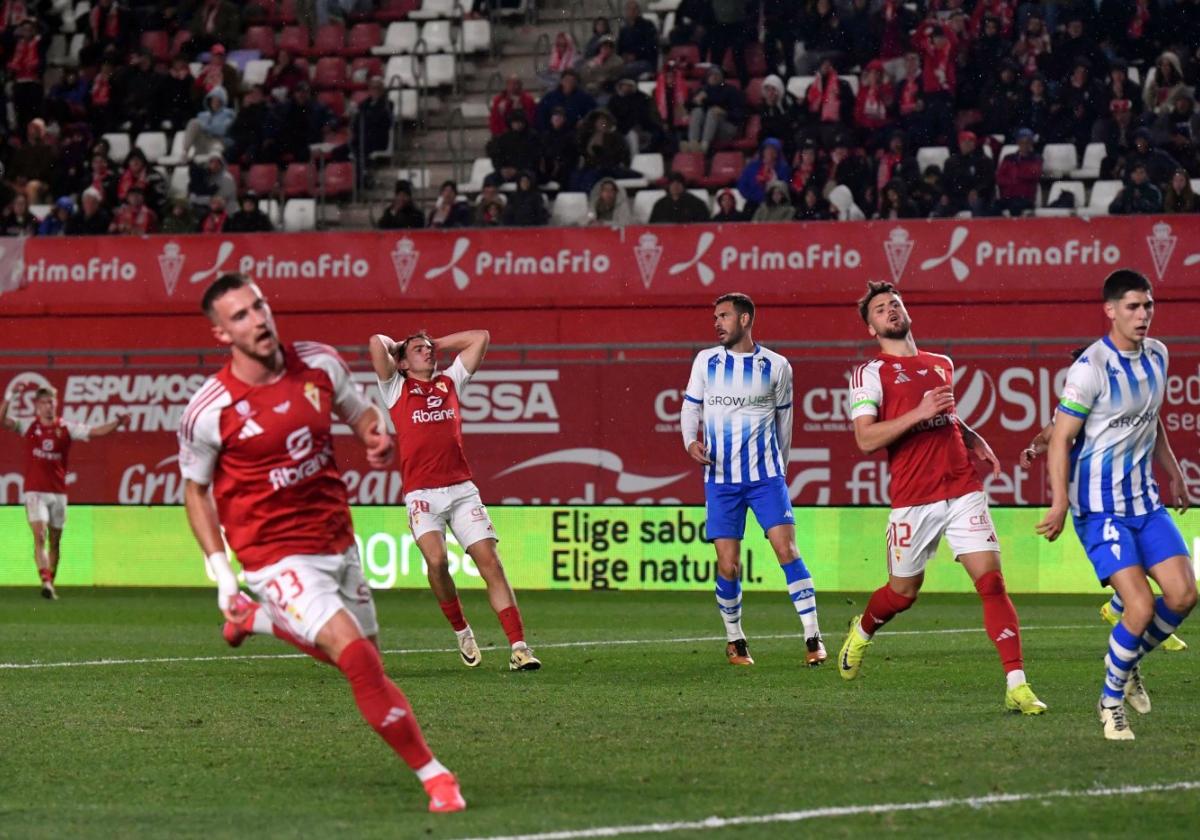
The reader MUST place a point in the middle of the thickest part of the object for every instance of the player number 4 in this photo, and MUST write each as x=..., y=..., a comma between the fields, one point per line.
x=1111, y=534
x=291, y=581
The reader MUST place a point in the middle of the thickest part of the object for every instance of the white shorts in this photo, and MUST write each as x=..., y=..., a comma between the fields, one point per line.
x=46, y=507
x=914, y=532
x=457, y=507
x=304, y=591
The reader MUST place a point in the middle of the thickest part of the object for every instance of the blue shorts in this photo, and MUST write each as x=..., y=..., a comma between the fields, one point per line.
x=1113, y=543
x=725, y=507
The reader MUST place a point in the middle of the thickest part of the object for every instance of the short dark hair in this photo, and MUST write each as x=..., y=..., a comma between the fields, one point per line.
x=400, y=348
x=1077, y=352
x=1124, y=280
x=449, y=183
x=219, y=288
x=46, y=391
x=874, y=288
x=742, y=304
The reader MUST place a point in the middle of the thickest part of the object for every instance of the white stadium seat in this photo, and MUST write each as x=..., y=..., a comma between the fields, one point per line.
x=932, y=156
x=643, y=204
x=118, y=145
x=300, y=214
x=400, y=39
x=1059, y=160
x=569, y=209
x=437, y=36
x=1103, y=193
x=1093, y=156
x=153, y=144
x=256, y=72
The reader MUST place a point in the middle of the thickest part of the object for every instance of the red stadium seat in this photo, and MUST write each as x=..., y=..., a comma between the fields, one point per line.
x=158, y=44
x=390, y=10
x=339, y=179
x=329, y=40
x=334, y=100
x=756, y=61
x=723, y=170
x=358, y=97
x=330, y=74
x=261, y=38
x=179, y=41
x=285, y=13
x=362, y=69
x=263, y=178
x=748, y=142
x=362, y=37
x=294, y=39
x=690, y=165
x=298, y=180
x=754, y=94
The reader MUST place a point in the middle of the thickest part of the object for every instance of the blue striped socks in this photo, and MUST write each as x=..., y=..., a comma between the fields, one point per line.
x=804, y=597
x=1124, y=651
x=1164, y=623
x=729, y=602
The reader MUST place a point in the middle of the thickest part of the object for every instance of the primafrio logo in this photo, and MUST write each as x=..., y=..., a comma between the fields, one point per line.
x=703, y=271
x=961, y=272
x=648, y=252
x=1161, y=243
x=898, y=248
x=404, y=261
x=461, y=279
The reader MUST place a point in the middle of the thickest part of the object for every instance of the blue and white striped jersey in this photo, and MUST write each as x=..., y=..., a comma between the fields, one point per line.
x=744, y=401
x=1118, y=395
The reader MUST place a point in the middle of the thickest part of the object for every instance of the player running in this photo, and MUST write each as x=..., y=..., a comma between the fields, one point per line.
x=1112, y=609
x=259, y=434
x=1106, y=437
x=438, y=491
x=737, y=422
x=48, y=440
x=903, y=400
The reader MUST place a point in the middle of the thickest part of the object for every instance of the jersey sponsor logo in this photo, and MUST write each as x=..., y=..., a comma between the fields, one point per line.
x=433, y=401
x=243, y=408
x=741, y=402
x=299, y=443
x=249, y=430
x=47, y=444
x=282, y=477
x=437, y=416
x=1127, y=422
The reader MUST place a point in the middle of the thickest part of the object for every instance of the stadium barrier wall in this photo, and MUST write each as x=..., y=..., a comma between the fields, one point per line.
x=545, y=547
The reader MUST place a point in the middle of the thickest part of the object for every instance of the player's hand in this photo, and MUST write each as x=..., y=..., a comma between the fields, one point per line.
x=936, y=401
x=1052, y=524
x=699, y=452
x=984, y=452
x=1179, y=493
x=1028, y=455
x=380, y=448
x=237, y=608
x=123, y=420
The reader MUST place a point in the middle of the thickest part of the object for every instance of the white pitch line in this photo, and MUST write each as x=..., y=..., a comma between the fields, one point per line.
x=166, y=660
x=846, y=811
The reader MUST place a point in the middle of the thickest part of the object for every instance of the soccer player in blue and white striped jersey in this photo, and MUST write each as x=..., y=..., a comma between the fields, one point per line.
x=737, y=422
x=1107, y=436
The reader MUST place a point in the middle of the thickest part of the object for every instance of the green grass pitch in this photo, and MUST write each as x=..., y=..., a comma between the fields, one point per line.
x=604, y=735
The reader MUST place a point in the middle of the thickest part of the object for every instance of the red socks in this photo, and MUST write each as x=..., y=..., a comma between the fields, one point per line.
x=454, y=614
x=312, y=650
x=383, y=706
x=1000, y=620
x=510, y=620
x=885, y=604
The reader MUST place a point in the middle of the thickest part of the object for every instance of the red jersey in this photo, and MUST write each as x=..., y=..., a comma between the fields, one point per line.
x=46, y=450
x=267, y=451
x=428, y=422
x=930, y=463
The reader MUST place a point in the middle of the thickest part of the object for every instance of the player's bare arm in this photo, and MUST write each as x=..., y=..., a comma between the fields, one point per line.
x=121, y=421
x=206, y=526
x=1037, y=447
x=382, y=350
x=978, y=446
x=7, y=422
x=1066, y=427
x=1165, y=458
x=470, y=345
x=371, y=430
x=872, y=434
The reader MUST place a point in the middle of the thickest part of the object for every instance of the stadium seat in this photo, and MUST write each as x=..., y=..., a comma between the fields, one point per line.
x=437, y=36
x=298, y=180
x=1093, y=156
x=157, y=43
x=1006, y=150
x=1059, y=160
x=256, y=71
x=261, y=38
x=153, y=144
x=40, y=211
x=756, y=61
x=569, y=209
x=394, y=10
x=690, y=165
x=932, y=156
x=1196, y=185
x=179, y=41
x=723, y=170
x=56, y=54
x=118, y=146
x=400, y=71
x=437, y=9
x=662, y=6
x=330, y=74
x=404, y=103
x=177, y=186
x=480, y=169
x=651, y=167
x=294, y=39
x=421, y=178
x=285, y=13
x=643, y=204
x=338, y=180
x=300, y=214
x=1056, y=189
x=334, y=100
x=703, y=195
x=177, y=157
x=362, y=38
x=748, y=142
x=689, y=56
x=401, y=39
x=753, y=94
x=329, y=39
x=271, y=207
x=797, y=86
x=262, y=178
x=363, y=68
x=439, y=70
x=1103, y=193
x=476, y=36
x=648, y=88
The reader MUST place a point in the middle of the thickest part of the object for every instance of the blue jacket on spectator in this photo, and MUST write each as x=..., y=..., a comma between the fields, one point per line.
x=578, y=104
x=752, y=183
x=218, y=122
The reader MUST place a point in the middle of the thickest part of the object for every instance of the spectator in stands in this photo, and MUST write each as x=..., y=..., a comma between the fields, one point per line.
x=74, y=154
x=841, y=203
x=1003, y=100
x=1178, y=129
x=890, y=25
x=1072, y=45
x=716, y=112
x=894, y=203
x=896, y=164
x=135, y=87
x=302, y=121
x=823, y=36
x=214, y=22
x=1179, y=197
x=812, y=207
x=563, y=56
x=776, y=205
x=560, y=150
x=637, y=119
x=32, y=165
x=1032, y=49
x=134, y=217
x=284, y=75
x=26, y=64
x=175, y=104
x=1117, y=85
x=1037, y=110
x=1116, y=133
x=730, y=32
x=926, y=194
x=807, y=169
x=208, y=132
x=516, y=150
x=778, y=115
x=179, y=217
x=68, y=98
x=599, y=72
x=576, y=103
x=874, y=114
x=489, y=207
x=208, y=177
x=991, y=48
x=217, y=216
x=402, y=213
x=1159, y=165
x=849, y=169
x=727, y=209
x=911, y=102
x=829, y=105
x=526, y=207
x=609, y=205
x=1138, y=195
x=512, y=98
x=939, y=47
x=1019, y=176
x=969, y=171
x=138, y=174
x=217, y=73
x=91, y=219
x=855, y=23
x=101, y=178
x=448, y=211
x=600, y=29
x=1078, y=103
x=637, y=42
x=17, y=220
x=249, y=129
x=693, y=23
x=55, y=223
x=1164, y=84
x=373, y=122
x=678, y=206
x=249, y=218
x=107, y=27
x=604, y=151
x=781, y=28
x=103, y=111
x=764, y=170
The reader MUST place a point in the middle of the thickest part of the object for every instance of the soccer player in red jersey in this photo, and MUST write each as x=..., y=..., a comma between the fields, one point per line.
x=438, y=491
x=903, y=400
x=48, y=440
x=256, y=453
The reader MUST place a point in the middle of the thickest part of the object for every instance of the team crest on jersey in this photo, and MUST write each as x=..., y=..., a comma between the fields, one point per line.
x=940, y=371
x=313, y=394
x=243, y=408
x=441, y=386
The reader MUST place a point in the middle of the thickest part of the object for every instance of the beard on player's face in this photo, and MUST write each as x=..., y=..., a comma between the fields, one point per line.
x=895, y=331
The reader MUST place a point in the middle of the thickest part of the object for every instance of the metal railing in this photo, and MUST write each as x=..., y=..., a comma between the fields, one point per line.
x=456, y=144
